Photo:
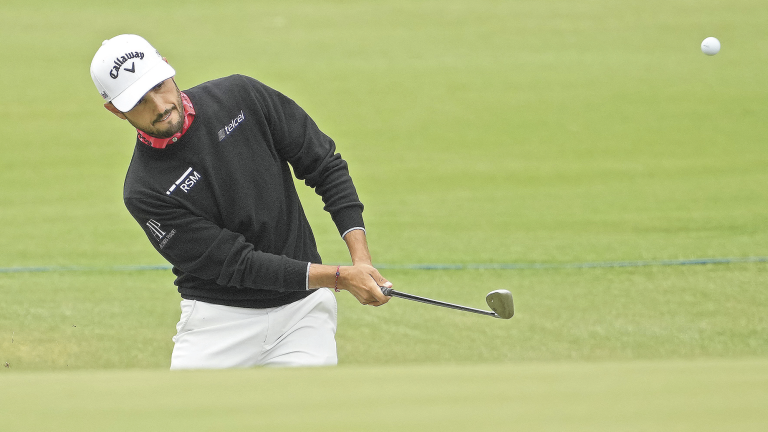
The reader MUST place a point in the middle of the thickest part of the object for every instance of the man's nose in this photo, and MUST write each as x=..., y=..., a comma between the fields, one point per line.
x=155, y=102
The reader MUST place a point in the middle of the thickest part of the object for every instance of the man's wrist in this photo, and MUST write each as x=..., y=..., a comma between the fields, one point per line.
x=365, y=260
x=323, y=276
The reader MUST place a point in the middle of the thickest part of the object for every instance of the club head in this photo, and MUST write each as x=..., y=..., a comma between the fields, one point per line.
x=500, y=301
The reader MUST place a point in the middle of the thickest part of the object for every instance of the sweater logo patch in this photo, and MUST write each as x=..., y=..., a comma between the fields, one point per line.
x=224, y=132
x=185, y=182
x=161, y=236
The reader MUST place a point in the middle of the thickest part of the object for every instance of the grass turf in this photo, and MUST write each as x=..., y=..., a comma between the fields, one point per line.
x=711, y=395
x=475, y=131
x=90, y=320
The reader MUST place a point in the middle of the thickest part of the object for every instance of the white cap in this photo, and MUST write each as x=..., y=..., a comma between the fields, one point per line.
x=125, y=68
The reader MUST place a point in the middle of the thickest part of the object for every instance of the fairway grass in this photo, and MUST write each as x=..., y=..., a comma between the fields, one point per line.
x=696, y=396
x=476, y=131
x=108, y=320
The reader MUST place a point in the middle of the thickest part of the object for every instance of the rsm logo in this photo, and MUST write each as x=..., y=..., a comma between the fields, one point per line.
x=185, y=182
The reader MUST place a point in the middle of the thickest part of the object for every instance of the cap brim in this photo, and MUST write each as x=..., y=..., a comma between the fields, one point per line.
x=126, y=100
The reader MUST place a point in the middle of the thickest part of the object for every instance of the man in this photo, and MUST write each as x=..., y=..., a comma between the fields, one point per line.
x=210, y=184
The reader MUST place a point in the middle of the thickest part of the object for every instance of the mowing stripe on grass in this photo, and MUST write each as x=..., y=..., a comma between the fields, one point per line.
x=481, y=266
x=599, y=264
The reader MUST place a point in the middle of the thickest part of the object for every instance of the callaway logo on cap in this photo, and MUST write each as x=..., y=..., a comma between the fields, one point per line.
x=125, y=68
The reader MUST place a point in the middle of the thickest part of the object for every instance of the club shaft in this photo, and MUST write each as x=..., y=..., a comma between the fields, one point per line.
x=392, y=293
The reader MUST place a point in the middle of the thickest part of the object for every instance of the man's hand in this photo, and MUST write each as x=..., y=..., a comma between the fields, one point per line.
x=362, y=273
x=363, y=282
x=361, y=279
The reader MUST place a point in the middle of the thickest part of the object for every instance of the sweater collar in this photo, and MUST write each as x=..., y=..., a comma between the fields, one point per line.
x=189, y=115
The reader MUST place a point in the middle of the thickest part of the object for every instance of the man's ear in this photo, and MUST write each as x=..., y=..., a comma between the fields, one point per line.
x=111, y=108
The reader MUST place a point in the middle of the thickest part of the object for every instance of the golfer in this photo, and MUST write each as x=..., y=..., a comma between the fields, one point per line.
x=210, y=183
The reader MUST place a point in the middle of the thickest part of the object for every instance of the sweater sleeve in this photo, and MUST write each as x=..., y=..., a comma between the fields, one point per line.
x=200, y=248
x=312, y=154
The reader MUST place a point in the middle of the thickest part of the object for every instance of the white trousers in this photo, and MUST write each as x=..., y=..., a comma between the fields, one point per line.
x=302, y=333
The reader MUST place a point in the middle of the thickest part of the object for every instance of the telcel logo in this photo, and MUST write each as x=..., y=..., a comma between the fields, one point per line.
x=231, y=126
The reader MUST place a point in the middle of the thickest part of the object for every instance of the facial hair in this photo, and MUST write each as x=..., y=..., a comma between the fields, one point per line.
x=172, y=128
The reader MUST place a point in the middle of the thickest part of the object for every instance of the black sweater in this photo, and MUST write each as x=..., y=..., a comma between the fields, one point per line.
x=220, y=203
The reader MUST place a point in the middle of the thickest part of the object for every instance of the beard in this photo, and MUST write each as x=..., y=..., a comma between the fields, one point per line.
x=170, y=129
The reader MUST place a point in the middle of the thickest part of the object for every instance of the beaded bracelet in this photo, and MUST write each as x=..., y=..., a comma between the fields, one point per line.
x=336, y=285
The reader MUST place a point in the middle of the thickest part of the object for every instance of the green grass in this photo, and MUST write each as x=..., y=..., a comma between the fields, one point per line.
x=490, y=131
x=476, y=132
x=711, y=395
x=91, y=320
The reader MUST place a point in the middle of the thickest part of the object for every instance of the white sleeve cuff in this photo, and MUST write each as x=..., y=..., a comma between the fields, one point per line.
x=307, y=282
x=352, y=229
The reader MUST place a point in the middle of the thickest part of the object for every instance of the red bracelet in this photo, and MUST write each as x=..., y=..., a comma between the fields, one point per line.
x=336, y=285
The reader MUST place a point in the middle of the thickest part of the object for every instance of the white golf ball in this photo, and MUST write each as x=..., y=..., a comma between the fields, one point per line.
x=710, y=46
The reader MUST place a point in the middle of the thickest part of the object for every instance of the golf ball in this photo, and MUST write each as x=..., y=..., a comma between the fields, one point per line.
x=710, y=46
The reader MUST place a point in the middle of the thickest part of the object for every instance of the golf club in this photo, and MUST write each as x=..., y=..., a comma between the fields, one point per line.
x=500, y=301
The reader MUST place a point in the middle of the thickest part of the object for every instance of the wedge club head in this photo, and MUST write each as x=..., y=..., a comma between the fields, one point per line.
x=500, y=301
